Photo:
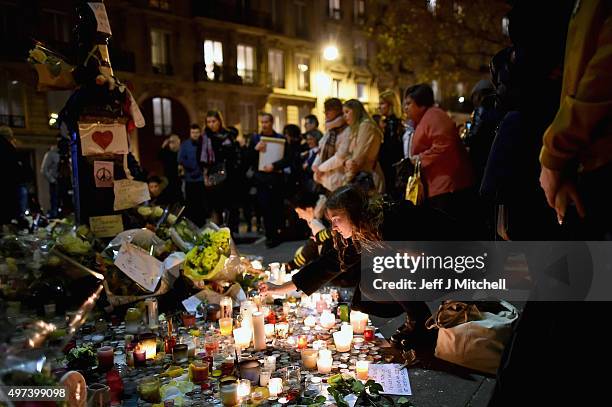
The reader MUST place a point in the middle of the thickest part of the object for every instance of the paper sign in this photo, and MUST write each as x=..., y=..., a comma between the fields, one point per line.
x=101, y=17
x=393, y=379
x=139, y=265
x=129, y=193
x=275, y=149
x=99, y=138
x=106, y=226
x=104, y=174
x=191, y=304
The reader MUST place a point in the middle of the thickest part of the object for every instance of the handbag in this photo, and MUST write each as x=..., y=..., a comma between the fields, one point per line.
x=415, y=191
x=217, y=175
x=472, y=335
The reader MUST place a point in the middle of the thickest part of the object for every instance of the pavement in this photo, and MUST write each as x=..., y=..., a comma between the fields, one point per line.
x=435, y=383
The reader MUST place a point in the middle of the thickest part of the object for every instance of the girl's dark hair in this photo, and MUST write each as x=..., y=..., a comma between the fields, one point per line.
x=216, y=114
x=304, y=200
x=421, y=94
x=293, y=132
x=365, y=215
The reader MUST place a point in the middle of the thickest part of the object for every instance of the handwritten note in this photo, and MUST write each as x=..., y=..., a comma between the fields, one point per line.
x=138, y=265
x=104, y=174
x=106, y=226
x=275, y=148
x=393, y=380
x=101, y=17
x=191, y=304
x=130, y=193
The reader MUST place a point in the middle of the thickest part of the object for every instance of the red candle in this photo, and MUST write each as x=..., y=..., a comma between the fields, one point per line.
x=106, y=358
x=189, y=319
x=271, y=317
x=140, y=357
x=302, y=342
x=114, y=381
x=169, y=343
x=368, y=333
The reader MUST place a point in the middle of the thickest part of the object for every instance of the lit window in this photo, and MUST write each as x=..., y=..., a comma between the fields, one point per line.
x=162, y=116
x=276, y=68
x=336, y=87
x=160, y=52
x=12, y=110
x=303, y=72
x=334, y=10
x=213, y=59
x=359, y=11
x=248, y=118
x=506, y=26
x=360, y=48
x=431, y=6
x=361, y=92
x=280, y=117
x=245, y=63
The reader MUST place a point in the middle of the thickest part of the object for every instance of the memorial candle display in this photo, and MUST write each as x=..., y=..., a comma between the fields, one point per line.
x=324, y=361
x=259, y=333
x=148, y=342
x=342, y=340
x=106, y=358
x=361, y=369
x=359, y=321
x=225, y=326
x=140, y=357
x=310, y=321
x=242, y=337
x=282, y=329
x=302, y=341
x=226, y=305
x=327, y=319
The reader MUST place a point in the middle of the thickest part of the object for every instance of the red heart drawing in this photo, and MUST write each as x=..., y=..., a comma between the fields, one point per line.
x=102, y=138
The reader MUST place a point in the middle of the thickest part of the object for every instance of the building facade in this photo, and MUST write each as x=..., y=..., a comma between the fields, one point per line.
x=185, y=57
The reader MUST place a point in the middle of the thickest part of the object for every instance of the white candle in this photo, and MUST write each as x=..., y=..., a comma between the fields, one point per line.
x=244, y=389
x=361, y=369
x=342, y=341
x=327, y=319
x=242, y=337
x=310, y=321
x=359, y=321
x=270, y=363
x=324, y=361
x=319, y=344
x=269, y=330
x=259, y=333
x=348, y=329
x=275, y=386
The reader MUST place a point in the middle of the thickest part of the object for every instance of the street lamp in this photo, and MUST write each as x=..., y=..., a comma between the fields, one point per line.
x=330, y=53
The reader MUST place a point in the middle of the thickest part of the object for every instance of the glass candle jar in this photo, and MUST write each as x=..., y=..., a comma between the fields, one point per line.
x=342, y=341
x=148, y=389
x=179, y=353
x=106, y=358
x=189, y=319
x=226, y=307
x=133, y=318
x=309, y=358
x=229, y=394
x=359, y=321
x=343, y=312
x=140, y=357
x=148, y=342
x=225, y=326
x=368, y=333
x=198, y=371
x=361, y=369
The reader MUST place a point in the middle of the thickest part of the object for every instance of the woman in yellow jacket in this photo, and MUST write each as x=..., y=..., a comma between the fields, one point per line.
x=364, y=144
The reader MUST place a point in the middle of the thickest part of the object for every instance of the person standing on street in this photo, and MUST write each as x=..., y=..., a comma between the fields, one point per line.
x=189, y=159
x=49, y=169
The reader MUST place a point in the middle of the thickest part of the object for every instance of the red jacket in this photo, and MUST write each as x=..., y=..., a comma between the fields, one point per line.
x=445, y=165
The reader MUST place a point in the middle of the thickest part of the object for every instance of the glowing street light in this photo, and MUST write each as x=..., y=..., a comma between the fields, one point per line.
x=330, y=53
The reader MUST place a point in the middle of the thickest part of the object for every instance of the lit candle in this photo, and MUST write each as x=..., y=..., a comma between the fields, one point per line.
x=275, y=386
x=106, y=358
x=242, y=337
x=358, y=343
x=148, y=342
x=314, y=299
x=270, y=363
x=348, y=329
x=327, y=319
x=140, y=357
x=302, y=341
x=282, y=329
x=244, y=390
x=342, y=341
x=259, y=333
x=229, y=394
x=269, y=329
x=309, y=358
x=320, y=344
x=226, y=305
x=291, y=342
x=321, y=305
x=368, y=333
x=361, y=369
x=324, y=361
x=359, y=321
x=225, y=325
x=310, y=321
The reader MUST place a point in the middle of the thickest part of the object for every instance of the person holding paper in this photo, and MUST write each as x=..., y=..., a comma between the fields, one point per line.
x=269, y=184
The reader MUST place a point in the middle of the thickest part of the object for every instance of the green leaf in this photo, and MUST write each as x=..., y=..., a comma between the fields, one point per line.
x=357, y=387
x=320, y=399
x=375, y=388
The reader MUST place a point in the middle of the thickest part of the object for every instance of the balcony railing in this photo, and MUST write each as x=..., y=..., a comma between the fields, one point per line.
x=12, y=120
x=273, y=82
x=226, y=11
x=162, y=69
x=334, y=13
x=201, y=75
x=248, y=77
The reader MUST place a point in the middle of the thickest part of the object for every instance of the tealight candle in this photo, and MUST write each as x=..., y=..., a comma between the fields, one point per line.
x=309, y=358
x=342, y=341
x=358, y=343
x=269, y=330
x=310, y=321
x=327, y=319
x=302, y=341
x=275, y=386
x=140, y=357
x=359, y=321
x=225, y=326
x=361, y=369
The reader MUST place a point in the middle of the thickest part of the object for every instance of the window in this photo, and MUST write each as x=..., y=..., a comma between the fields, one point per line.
x=303, y=72
x=58, y=25
x=245, y=63
x=12, y=109
x=334, y=10
x=336, y=87
x=360, y=48
x=431, y=6
x=160, y=52
x=361, y=92
x=300, y=19
x=162, y=116
x=276, y=68
x=213, y=59
x=248, y=118
x=280, y=117
x=459, y=12
x=359, y=11
x=160, y=4
x=505, y=26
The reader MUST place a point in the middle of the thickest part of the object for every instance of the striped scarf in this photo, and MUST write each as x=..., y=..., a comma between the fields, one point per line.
x=333, y=127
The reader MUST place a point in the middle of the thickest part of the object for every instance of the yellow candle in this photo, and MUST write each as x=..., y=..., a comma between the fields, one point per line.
x=361, y=369
x=309, y=358
x=225, y=325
